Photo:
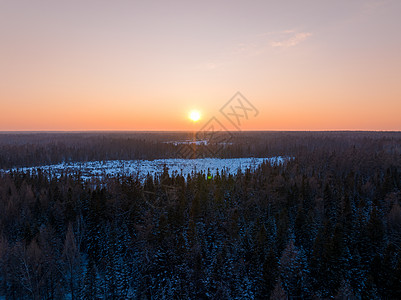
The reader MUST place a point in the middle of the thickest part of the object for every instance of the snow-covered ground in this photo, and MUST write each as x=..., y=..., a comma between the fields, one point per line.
x=188, y=142
x=142, y=168
x=196, y=142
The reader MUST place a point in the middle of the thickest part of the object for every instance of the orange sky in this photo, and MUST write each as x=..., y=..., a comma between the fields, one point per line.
x=121, y=65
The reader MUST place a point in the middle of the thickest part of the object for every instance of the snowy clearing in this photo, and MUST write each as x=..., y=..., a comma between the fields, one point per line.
x=141, y=168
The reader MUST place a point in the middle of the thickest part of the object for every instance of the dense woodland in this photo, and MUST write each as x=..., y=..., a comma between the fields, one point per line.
x=326, y=224
x=37, y=149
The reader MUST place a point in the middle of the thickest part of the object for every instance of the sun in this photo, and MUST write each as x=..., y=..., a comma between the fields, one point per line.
x=194, y=116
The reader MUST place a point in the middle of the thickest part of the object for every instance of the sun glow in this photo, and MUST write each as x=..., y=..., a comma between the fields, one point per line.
x=194, y=115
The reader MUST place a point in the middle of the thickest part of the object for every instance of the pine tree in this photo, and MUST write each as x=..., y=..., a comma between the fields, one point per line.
x=270, y=272
x=345, y=291
x=72, y=262
x=396, y=286
x=294, y=271
x=90, y=286
x=278, y=292
x=375, y=232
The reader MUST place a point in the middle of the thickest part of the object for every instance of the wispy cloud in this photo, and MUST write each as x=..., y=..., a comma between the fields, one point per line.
x=373, y=5
x=254, y=46
x=291, y=41
x=208, y=66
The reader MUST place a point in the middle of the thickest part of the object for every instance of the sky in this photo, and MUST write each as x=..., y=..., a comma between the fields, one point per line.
x=144, y=65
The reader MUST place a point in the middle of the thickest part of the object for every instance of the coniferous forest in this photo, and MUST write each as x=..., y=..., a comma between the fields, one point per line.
x=326, y=224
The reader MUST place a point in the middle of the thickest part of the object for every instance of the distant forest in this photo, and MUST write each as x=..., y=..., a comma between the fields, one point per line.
x=324, y=225
x=41, y=148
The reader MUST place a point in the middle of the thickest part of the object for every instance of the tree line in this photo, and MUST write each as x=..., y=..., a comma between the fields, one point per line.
x=44, y=148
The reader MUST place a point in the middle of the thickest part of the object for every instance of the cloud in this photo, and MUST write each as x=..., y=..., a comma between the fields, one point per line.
x=208, y=66
x=254, y=46
x=289, y=31
x=294, y=40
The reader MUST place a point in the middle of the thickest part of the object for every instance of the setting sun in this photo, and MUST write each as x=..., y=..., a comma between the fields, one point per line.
x=194, y=115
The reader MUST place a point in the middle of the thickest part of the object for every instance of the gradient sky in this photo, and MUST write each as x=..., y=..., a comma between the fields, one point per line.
x=143, y=65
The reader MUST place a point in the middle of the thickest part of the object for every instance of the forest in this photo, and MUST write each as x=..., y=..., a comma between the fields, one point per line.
x=326, y=224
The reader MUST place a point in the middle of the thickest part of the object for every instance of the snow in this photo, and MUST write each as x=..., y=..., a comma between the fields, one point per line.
x=189, y=142
x=196, y=142
x=142, y=168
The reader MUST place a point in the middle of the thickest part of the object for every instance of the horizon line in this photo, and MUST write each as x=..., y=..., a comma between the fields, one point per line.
x=177, y=131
